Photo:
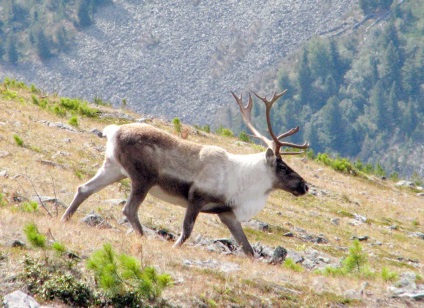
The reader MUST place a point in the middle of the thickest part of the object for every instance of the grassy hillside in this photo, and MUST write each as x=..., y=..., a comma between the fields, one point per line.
x=37, y=154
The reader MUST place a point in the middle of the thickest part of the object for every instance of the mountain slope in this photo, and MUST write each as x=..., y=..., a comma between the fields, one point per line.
x=181, y=59
x=317, y=230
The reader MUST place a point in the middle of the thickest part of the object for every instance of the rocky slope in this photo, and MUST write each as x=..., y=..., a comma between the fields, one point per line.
x=181, y=58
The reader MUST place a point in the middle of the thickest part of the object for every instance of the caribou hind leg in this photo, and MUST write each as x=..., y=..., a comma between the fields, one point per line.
x=108, y=174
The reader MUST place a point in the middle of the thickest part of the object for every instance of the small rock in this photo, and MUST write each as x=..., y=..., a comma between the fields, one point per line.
x=258, y=225
x=279, y=255
x=288, y=234
x=95, y=220
x=19, y=299
x=96, y=132
x=407, y=281
x=169, y=236
x=420, y=194
x=419, y=235
x=4, y=154
x=225, y=267
x=3, y=173
x=405, y=184
x=17, y=243
x=263, y=251
x=335, y=221
x=116, y=201
x=360, y=238
x=360, y=218
x=295, y=256
x=228, y=244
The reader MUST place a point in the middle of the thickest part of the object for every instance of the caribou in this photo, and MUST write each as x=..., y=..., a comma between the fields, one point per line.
x=201, y=178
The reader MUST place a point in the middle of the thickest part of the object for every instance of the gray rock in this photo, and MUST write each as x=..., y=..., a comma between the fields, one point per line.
x=418, y=234
x=405, y=184
x=335, y=221
x=95, y=220
x=360, y=218
x=17, y=243
x=3, y=173
x=19, y=299
x=96, y=132
x=279, y=255
x=225, y=267
x=258, y=225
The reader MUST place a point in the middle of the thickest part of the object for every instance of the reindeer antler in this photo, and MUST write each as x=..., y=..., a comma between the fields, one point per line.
x=275, y=143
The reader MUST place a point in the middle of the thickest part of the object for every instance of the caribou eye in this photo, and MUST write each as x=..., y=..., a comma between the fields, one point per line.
x=283, y=169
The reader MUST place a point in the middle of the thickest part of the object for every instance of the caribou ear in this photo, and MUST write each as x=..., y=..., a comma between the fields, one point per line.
x=270, y=156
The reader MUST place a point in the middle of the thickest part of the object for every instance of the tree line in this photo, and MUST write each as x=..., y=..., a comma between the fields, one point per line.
x=358, y=96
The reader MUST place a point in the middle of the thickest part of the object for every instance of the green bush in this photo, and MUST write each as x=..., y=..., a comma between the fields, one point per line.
x=387, y=275
x=29, y=206
x=59, y=248
x=244, y=137
x=73, y=121
x=222, y=131
x=34, y=236
x=18, y=140
x=122, y=277
x=289, y=263
x=52, y=279
x=177, y=125
x=355, y=263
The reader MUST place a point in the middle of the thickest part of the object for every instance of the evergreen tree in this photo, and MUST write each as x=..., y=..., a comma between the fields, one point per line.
x=333, y=124
x=379, y=114
x=390, y=65
x=12, y=51
x=304, y=79
x=83, y=13
x=43, y=45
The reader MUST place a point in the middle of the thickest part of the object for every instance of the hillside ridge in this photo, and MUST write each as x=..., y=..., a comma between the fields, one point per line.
x=50, y=145
x=181, y=59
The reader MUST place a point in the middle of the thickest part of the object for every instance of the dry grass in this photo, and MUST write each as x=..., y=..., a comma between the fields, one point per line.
x=58, y=160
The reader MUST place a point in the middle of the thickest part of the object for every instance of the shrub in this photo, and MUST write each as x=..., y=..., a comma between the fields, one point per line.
x=177, y=125
x=34, y=236
x=222, y=131
x=289, y=263
x=73, y=121
x=357, y=260
x=99, y=102
x=59, y=111
x=355, y=263
x=387, y=275
x=30, y=206
x=59, y=248
x=244, y=137
x=122, y=277
x=206, y=128
x=52, y=280
x=18, y=140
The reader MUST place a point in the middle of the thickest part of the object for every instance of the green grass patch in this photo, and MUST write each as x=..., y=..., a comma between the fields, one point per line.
x=18, y=140
x=33, y=236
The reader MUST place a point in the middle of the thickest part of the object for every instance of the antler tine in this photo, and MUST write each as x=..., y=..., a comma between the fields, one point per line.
x=292, y=131
x=246, y=113
x=277, y=144
x=268, y=103
x=275, y=97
